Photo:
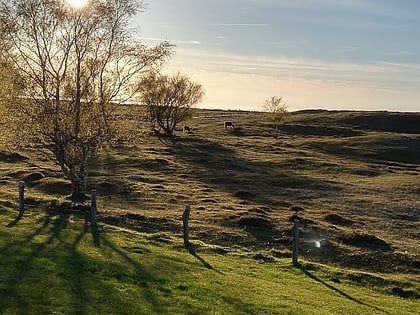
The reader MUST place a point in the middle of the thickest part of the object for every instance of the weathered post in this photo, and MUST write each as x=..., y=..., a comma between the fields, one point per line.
x=295, y=242
x=185, y=218
x=93, y=207
x=21, y=197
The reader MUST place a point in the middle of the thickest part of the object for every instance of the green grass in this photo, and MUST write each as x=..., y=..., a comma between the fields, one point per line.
x=58, y=264
x=352, y=178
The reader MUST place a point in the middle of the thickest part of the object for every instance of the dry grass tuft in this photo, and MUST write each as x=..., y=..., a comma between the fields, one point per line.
x=351, y=178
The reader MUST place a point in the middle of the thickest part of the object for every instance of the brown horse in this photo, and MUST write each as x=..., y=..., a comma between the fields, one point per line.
x=186, y=129
x=229, y=125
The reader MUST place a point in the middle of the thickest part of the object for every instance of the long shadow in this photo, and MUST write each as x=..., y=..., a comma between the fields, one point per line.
x=167, y=139
x=15, y=221
x=144, y=277
x=75, y=270
x=221, y=166
x=260, y=184
x=218, y=165
x=26, y=259
x=192, y=250
x=96, y=237
x=340, y=292
x=254, y=181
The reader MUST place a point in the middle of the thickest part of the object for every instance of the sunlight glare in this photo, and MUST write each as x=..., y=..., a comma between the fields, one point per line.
x=77, y=3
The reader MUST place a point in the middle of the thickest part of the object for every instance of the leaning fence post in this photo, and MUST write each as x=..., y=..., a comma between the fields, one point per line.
x=93, y=207
x=21, y=197
x=185, y=218
x=295, y=242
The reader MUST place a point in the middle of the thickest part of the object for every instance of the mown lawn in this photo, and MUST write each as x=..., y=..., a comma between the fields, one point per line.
x=56, y=263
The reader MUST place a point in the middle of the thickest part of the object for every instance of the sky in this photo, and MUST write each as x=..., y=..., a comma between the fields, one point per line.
x=315, y=54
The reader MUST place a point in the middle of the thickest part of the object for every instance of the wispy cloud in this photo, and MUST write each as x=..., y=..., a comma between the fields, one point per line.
x=348, y=49
x=280, y=44
x=375, y=7
x=377, y=74
x=188, y=42
x=154, y=39
x=241, y=24
x=175, y=41
x=316, y=51
x=400, y=66
x=237, y=81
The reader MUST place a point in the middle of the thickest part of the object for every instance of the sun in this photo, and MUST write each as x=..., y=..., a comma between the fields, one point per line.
x=77, y=3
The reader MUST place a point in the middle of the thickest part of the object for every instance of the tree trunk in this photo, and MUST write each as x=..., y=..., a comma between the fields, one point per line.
x=78, y=184
x=276, y=132
x=79, y=178
x=169, y=130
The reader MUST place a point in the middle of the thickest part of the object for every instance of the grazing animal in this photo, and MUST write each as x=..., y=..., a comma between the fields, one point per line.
x=229, y=125
x=186, y=129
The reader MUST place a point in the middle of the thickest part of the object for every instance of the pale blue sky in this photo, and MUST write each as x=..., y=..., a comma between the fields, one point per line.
x=334, y=54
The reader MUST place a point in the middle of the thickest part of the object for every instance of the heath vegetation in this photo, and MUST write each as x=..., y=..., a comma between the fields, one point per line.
x=351, y=178
x=81, y=98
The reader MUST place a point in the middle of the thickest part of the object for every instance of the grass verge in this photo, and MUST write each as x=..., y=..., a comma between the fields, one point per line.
x=56, y=263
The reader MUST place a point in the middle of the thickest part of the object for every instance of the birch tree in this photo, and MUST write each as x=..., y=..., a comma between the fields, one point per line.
x=169, y=99
x=77, y=65
x=276, y=112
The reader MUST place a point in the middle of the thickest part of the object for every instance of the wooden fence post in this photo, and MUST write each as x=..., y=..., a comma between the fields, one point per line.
x=93, y=209
x=21, y=197
x=185, y=218
x=295, y=242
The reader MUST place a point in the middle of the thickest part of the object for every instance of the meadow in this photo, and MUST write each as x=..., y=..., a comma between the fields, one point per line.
x=351, y=178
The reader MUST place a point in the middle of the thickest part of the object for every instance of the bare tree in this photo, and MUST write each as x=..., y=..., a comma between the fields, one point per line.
x=276, y=112
x=78, y=65
x=169, y=100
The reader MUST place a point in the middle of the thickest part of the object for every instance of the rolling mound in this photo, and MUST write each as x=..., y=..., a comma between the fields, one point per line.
x=351, y=178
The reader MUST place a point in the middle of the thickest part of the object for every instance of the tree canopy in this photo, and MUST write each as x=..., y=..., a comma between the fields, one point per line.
x=76, y=66
x=276, y=112
x=169, y=99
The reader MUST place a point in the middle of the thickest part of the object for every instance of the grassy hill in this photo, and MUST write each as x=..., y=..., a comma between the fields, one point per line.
x=352, y=178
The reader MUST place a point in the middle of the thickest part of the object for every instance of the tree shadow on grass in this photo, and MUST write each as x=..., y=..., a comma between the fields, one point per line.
x=142, y=277
x=167, y=138
x=40, y=245
x=56, y=249
x=265, y=186
x=308, y=273
x=221, y=166
x=259, y=182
